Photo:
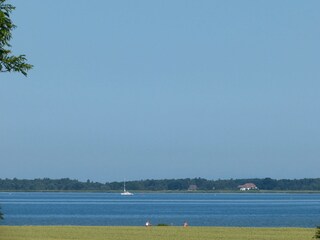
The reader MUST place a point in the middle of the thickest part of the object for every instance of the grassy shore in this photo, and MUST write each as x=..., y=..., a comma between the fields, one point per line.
x=154, y=233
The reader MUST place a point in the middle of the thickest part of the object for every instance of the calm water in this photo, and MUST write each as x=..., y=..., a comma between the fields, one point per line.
x=258, y=210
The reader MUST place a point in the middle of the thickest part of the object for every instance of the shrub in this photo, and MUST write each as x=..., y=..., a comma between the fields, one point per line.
x=317, y=234
x=163, y=224
x=1, y=214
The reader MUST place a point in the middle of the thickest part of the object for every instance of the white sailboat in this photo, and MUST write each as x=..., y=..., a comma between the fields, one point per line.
x=125, y=192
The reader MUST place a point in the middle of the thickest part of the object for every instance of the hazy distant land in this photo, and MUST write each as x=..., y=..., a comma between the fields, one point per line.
x=167, y=185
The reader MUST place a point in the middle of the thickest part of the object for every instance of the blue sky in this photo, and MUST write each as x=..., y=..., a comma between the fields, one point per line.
x=163, y=89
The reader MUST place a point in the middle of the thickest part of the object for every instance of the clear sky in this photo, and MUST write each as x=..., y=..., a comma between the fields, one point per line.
x=163, y=89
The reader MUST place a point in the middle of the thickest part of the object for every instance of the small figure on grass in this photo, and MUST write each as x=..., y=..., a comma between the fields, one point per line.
x=148, y=223
x=185, y=224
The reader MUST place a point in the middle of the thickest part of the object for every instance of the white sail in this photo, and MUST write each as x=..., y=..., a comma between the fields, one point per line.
x=125, y=192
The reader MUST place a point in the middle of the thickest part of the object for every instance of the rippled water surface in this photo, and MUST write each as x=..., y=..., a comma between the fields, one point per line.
x=258, y=210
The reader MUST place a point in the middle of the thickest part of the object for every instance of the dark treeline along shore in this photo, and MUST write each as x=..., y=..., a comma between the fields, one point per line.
x=187, y=184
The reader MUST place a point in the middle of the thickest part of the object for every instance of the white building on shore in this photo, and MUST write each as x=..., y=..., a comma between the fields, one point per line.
x=247, y=187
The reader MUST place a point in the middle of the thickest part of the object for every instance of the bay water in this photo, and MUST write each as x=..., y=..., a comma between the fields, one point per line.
x=198, y=209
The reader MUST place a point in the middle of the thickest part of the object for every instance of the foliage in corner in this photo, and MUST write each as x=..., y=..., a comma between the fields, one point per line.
x=1, y=214
x=9, y=62
x=317, y=234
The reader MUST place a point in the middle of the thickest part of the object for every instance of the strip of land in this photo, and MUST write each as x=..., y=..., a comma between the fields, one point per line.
x=164, y=185
x=154, y=233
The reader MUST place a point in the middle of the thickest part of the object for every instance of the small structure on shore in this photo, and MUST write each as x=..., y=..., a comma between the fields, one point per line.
x=192, y=187
x=247, y=187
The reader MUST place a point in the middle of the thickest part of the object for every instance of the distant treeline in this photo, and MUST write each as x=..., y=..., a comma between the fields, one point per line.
x=201, y=184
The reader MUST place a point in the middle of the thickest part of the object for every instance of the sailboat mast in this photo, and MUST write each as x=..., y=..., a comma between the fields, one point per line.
x=125, y=192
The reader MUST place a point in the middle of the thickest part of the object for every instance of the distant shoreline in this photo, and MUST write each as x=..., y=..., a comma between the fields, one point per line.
x=261, y=185
x=167, y=192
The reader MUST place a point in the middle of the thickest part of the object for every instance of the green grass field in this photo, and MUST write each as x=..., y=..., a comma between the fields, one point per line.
x=152, y=233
